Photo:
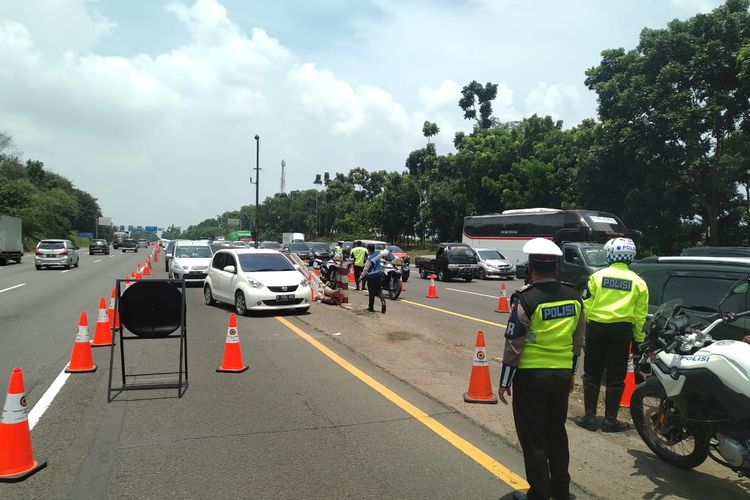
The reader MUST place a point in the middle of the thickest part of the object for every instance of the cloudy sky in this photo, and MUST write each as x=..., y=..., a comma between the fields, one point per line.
x=152, y=105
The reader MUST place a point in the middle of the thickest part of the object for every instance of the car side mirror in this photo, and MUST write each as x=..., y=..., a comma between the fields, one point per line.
x=230, y=269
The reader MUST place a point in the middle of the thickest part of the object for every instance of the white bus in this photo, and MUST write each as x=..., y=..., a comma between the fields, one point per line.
x=511, y=229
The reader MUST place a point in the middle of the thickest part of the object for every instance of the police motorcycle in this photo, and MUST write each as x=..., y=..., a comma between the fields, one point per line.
x=696, y=401
x=392, y=275
x=329, y=272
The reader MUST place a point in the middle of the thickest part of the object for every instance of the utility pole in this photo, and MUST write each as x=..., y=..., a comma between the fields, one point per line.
x=283, y=177
x=257, y=189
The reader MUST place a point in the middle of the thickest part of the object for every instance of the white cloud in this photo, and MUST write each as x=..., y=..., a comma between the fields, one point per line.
x=449, y=92
x=694, y=6
x=556, y=100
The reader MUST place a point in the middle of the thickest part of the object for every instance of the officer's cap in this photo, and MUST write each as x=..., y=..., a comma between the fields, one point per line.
x=542, y=249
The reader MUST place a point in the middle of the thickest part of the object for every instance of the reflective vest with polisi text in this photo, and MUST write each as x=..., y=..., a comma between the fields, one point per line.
x=553, y=309
x=616, y=294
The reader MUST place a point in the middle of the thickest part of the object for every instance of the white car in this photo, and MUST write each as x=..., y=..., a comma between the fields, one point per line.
x=190, y=259
x=255, y=280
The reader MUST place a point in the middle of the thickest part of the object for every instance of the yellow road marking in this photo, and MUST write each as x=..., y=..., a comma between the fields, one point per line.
x=496, y=468
x=472, y=318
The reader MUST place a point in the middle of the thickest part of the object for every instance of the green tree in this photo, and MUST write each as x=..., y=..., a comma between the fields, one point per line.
x=476, y=102
x=674, y=102
x=430, y=129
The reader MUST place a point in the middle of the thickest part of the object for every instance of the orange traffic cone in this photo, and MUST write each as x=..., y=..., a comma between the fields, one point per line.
x=432, y=291
x=480, y=387
x=132, y=276
x=629, y=385
x=138, y=268
x=103, y=332
x=16, y=456
x=138, y=276
x=114, y=320
x=81, y=359
x=147, y=269
x=352, y=279
x=502, y=303
x=232, y=361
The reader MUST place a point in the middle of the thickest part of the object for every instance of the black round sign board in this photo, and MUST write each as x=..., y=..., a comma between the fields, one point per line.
x=151, y=309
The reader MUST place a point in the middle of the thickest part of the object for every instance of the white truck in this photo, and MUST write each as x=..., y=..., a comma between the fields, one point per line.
x=11, y=244
x=287, y=238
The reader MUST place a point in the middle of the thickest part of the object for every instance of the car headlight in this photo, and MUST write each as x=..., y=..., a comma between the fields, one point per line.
x=176, y=265
x=254, y=283
x=452, y=266
x=303, y=283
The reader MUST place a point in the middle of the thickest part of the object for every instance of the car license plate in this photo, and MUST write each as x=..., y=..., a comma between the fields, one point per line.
x=51, y=255
x=285, y=298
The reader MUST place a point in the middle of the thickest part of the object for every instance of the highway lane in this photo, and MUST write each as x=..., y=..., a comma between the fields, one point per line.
x=38, y=320
x=295, y=425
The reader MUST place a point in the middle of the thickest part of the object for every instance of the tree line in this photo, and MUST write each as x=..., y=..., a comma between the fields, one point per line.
x=669, y=154
x=49, y=205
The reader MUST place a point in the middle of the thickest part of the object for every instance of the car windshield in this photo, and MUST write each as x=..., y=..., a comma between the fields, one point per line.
x=460, y=251
x=395, y=249
x=270, y=245
x=193, y=252
x=298, y=247
x=490, y=255
x=264, y=262
x=595, y=256
x=51, y=245
x=319, y=247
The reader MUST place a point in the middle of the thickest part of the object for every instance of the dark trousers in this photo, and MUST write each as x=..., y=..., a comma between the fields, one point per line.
x=607, y=347
x=540, y=408
x=374, y=288
x=357, y=274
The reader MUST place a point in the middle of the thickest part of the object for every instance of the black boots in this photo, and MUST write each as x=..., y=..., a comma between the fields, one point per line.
x=382, y=307
x=590, y=399
x=611, y=407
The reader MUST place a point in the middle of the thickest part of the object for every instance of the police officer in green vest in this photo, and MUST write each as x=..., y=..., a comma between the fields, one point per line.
x=616, y=304
x=359, y=255
x=543, y=340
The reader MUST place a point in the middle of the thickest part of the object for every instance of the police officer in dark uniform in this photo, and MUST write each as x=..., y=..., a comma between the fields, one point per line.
x=542, y=343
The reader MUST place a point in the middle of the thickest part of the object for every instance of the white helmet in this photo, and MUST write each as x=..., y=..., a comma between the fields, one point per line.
x=542, y=246
x=620, y=250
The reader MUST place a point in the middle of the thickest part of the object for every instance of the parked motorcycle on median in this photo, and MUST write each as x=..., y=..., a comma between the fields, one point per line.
x=696, y=401
x=329, y=272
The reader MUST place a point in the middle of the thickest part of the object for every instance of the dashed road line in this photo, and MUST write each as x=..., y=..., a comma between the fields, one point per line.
x=46, y=400
x=12, y=287
x=493, y=466
x=98, y=260
x=66, y=271
x=445, y=311
x=473, y=293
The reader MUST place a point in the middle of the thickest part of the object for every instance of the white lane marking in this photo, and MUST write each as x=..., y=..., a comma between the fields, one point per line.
x=111, y=256
x=99, y=260
x=473, y=293
x=12, y=287
x=46, y=400
x=66, y=271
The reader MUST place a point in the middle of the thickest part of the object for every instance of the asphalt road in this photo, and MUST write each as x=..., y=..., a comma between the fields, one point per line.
x=309, y=419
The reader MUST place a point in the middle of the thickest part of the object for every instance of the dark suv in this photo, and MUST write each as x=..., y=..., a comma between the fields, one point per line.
x=99, y=246
x=702, y=283
x=129, y=245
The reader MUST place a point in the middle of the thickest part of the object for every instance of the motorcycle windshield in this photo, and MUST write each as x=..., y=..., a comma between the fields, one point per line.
x=662, y=315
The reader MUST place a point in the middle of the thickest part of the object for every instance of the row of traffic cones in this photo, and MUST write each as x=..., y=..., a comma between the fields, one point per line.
x=480, y=385
x=17, y=460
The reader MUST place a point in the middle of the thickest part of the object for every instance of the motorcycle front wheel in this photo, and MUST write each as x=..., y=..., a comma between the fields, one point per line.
x=394, y=290
x=662, y=428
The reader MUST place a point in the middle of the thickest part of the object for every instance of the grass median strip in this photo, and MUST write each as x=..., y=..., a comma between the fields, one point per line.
x=493, y=466
x=445, y=311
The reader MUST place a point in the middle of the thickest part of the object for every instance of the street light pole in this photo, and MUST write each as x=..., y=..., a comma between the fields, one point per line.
x=257, y=188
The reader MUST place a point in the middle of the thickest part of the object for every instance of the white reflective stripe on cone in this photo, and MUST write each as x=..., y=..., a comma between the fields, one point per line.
x=15, y=410
x=83, y=334
x=232, y=337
